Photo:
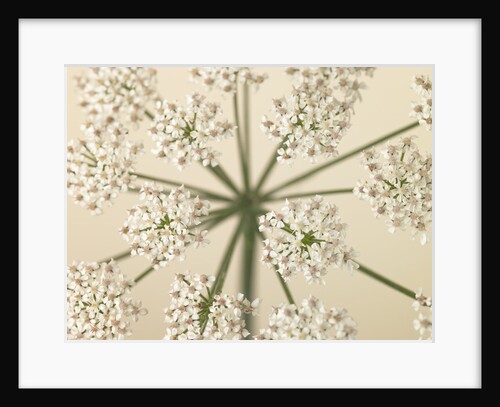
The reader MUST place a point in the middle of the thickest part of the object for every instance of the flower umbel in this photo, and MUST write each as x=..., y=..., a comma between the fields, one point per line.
x=108, y=92
x=100, y=167
x=182, y=134
x=163, y=225
x=226, y=78
x=315, y=117
x=400, y=187
x=307, y=236
x=422, y=110
x=309, y=321
x=98, y=303
x=196, y=312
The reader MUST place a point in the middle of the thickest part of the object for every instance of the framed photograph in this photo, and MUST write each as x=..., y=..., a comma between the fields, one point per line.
x=218, y=201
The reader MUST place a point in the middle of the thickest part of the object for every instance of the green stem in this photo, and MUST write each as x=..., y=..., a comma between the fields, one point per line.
x=285, y=287
x=217, y=216
x=246, y=127
x=248, y=283
x=239, y=140
x=202, y=192
x=221, y=174
x=386, y=281
x=283, y=283
x=267, y=171
x=119, y=256
x=213, y=222
x=299, y=195
x=337, y=160
x=224, y=266
x=143, y=274
x=149, y=114
x=222, y=273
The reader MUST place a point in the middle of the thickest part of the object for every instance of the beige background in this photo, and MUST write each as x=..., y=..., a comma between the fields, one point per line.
x=381, y=312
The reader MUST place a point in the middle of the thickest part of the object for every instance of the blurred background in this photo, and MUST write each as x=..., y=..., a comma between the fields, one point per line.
x=381, y=312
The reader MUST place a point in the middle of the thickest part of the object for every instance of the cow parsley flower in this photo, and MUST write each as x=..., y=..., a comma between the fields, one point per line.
x=423, y=324
x=226, y=78
x=306, y=236
x=101, y=166
x=421, y=300
x=400, y=187
x=163, y=225
x=311, y=121
x=311, y=320
x=182, y=134
x=422, y=110
x=197, y=312
x=108, y=92
x=98, y=303
x=344, y=80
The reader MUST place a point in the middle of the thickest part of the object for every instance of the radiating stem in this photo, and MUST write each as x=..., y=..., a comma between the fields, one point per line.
x=239, y=139
x=267, y=171
x=224, y=266
x=119, y=256
x=202, y=192
x=246, y=127
x=217, y=216
x=386, y=281
x=221, y=174
x=299, y=195
x=143, y=274
x=248, y=266
x=149, y=114
x=283, y=283
x=337, y=160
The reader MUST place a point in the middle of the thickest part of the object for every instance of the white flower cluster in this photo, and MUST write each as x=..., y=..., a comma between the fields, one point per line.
x=309, y=321
x=100, y=167
x=98, y=304
x=315, y=117
x=423, y=324
x=163, y=225
x=400, y=187
x=422, y=110
x=108, y=92
x=197, y=312
x=307, y=236
x=182, y=134
x=342, y=79
x=226, y=78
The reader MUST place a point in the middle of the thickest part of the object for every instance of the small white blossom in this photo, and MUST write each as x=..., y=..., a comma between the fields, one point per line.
x=400, y=187
x=108, y=92
x=197, y=312
x=311, y=121
x=100, y=167
x=182, y=135
x=306, y=236
x=422, y=110
x=226, y=78
x=341, y=79
x=309, y=321
x=423, y=325
x=163, y=225
x=98, y=303
x=421, y=300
